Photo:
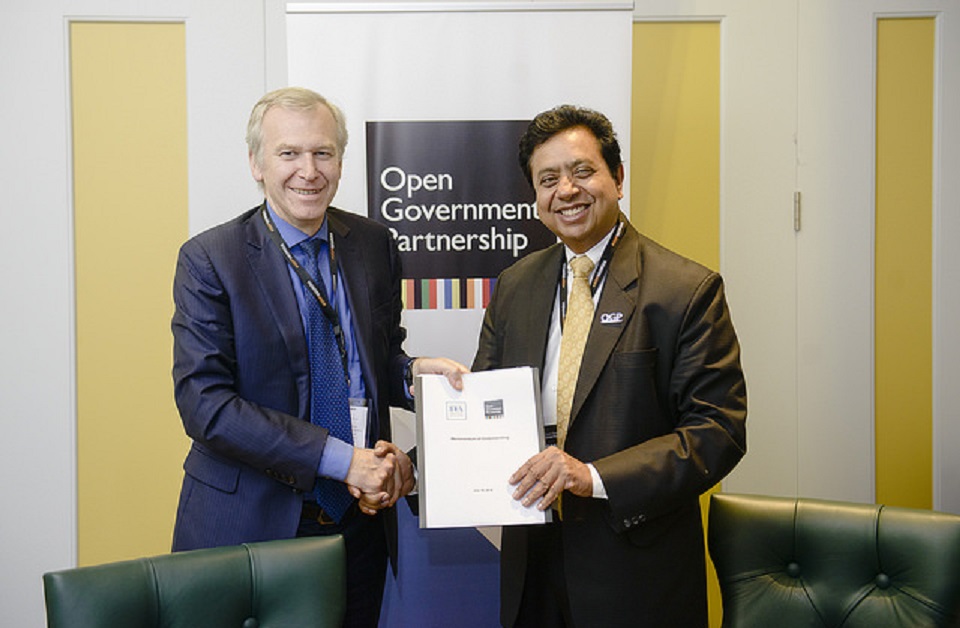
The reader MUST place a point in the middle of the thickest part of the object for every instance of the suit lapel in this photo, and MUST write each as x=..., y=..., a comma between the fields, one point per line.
x=537, y=307
x=352, y=265
x=616, y=307
x=270, y=272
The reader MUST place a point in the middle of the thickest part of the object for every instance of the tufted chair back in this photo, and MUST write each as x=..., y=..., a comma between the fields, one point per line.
x=790, y=562
x=295, y=582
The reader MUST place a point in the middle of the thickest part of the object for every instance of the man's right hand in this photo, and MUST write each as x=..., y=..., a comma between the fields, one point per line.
x=542, y=478
x=403, y=480
x=373, y=477
x=404, y=476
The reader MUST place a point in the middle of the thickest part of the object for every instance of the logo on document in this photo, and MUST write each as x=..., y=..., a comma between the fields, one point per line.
x=456, y=411
x=493, y=409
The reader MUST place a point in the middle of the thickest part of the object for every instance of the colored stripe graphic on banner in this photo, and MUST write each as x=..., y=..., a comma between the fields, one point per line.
x=453, y=301
x=407, y=293
x=446, y=294
x=476, y=293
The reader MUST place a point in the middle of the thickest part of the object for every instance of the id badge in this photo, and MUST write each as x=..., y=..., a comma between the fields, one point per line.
x=358, y=421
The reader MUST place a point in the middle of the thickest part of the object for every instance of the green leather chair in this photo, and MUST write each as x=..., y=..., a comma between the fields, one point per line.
x=290, y=583
x=803, y=562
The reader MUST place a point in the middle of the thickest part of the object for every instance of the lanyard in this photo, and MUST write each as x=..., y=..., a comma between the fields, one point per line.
x=315, y=290
x=598, y=274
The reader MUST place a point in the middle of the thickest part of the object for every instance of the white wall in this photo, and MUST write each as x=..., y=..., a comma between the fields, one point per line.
x=227, y=70
x=235, y=52
x=797, y=109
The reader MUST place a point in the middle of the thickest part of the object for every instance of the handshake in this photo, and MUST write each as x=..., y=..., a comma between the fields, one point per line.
x=380, y=476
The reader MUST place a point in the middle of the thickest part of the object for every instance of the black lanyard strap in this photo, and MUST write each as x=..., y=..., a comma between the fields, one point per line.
x=316, y=290
x=598, y=274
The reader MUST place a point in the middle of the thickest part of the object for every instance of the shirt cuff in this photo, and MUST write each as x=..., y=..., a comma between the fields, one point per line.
x=408, y=378
x=416, y=482
x=336, y=459
x=599, y=490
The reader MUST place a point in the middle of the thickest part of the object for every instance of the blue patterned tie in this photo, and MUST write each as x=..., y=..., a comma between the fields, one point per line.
x=329, y=394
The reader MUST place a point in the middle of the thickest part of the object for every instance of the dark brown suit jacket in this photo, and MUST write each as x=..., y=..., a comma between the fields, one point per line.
x=659, y=409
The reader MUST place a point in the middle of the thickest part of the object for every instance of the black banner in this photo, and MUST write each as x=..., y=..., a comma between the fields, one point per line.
x=453, y=195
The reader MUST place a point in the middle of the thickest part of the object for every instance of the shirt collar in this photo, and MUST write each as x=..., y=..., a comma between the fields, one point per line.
x=596, y=251
x=293, y=236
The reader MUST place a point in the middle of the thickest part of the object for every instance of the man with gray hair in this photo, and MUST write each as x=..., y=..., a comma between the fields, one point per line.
x=287, y=356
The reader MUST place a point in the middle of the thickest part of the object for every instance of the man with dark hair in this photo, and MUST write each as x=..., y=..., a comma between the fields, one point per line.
x=641, y=380
x=287, y=356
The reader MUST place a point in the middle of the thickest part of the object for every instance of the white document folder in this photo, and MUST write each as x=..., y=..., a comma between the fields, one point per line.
x=470, y=442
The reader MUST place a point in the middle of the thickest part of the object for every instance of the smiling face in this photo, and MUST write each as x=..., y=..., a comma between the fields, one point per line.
x=299, y=164
x=577, y=196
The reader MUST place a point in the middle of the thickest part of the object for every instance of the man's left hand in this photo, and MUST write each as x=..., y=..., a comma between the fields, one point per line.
x=440, y=366
x=547, y=474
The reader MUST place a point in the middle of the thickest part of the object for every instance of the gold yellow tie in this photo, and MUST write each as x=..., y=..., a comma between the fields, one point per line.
x=576, y=327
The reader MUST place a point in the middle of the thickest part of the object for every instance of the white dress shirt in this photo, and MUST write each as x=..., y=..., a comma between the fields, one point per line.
x=551, y=363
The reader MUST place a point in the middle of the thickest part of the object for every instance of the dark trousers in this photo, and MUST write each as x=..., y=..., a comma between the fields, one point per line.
x=366, y=546
x=546, y=601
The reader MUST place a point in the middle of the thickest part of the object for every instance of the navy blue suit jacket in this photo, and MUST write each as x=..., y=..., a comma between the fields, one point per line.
x=241, y=374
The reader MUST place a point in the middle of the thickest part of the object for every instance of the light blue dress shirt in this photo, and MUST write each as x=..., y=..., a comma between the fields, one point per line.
x=337, y=454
